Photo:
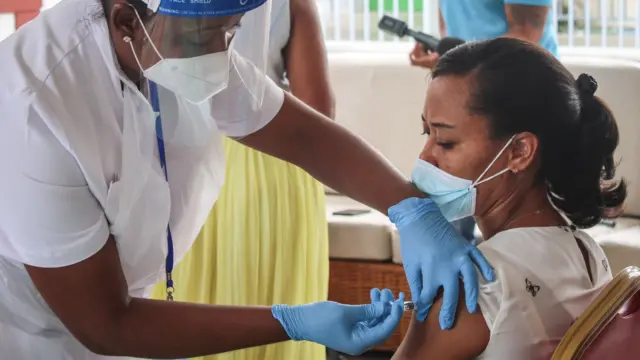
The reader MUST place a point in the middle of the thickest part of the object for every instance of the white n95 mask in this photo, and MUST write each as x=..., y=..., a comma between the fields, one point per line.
x=195, y=79
x=456, y=197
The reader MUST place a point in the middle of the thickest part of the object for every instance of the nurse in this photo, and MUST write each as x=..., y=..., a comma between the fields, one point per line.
x=112, y=115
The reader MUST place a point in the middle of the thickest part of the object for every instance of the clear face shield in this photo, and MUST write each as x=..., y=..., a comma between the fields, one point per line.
x=204, y=55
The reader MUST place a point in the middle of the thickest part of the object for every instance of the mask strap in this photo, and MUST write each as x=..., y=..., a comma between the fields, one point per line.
x=478, y=181
x=491, y=177
x=127, y=39
x=551, y=194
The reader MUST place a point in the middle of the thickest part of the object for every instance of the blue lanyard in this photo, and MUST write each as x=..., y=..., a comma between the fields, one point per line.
x=155, y=104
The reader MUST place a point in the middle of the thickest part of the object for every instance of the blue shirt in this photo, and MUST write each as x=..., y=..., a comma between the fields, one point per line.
x=486, y=19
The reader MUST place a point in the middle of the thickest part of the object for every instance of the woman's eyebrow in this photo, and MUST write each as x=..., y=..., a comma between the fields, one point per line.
x=441, y=125
x=437, y=124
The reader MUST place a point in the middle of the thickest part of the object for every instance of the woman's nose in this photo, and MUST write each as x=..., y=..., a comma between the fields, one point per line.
x=427, y=154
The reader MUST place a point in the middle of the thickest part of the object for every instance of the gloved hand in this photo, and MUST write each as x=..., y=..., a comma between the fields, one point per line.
x=345, y=328
x=385, y=297
x=435, y=255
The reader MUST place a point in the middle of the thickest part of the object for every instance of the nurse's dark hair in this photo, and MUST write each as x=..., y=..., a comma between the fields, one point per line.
x=520, y=87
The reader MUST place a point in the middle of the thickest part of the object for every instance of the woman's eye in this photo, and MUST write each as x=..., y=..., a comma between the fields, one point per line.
x=446, y=145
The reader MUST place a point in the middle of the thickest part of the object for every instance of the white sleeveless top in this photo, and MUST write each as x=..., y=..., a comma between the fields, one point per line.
x=542, y=287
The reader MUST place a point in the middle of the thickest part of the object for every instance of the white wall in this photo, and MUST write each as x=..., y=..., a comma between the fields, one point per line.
x=8, y=21
x=7, y=25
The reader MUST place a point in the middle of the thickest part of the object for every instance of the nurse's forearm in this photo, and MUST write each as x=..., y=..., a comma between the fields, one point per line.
x=351, y=166
x=91, y=299
x=333, y=155
x=170, y=330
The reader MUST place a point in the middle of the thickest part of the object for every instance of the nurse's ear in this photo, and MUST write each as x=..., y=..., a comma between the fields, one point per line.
x=123, y=21
x=522, y=152
x=126, y=32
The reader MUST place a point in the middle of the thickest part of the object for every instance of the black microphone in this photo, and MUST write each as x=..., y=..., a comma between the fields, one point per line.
x=400, y=28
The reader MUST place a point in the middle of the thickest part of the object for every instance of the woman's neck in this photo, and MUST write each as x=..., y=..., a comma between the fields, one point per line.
x=530, y=208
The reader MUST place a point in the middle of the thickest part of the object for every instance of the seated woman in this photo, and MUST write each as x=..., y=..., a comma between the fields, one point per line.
x=515, y=141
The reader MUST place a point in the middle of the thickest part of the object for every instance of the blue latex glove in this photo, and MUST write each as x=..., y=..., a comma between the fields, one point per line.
x=435, y=255
x=345, y=328
x=385, y=297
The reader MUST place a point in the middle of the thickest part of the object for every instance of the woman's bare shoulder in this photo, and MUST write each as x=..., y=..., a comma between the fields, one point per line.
x=467, y=339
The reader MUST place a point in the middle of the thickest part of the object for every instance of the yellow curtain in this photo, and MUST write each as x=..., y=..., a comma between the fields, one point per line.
x=265, y=242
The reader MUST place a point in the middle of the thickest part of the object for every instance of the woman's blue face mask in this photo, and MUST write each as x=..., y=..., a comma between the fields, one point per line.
x=455, y=196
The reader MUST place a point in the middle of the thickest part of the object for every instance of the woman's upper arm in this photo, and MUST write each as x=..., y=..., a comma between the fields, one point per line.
x=306, y=59
x=466, y=340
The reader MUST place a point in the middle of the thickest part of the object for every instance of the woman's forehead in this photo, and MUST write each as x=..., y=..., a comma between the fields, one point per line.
x=446, y=96
x=448, y=102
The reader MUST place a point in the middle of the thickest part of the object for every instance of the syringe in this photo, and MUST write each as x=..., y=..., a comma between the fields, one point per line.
x=408, y=305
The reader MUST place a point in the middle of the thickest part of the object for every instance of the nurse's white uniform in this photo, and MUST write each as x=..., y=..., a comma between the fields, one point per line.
x=73, y=170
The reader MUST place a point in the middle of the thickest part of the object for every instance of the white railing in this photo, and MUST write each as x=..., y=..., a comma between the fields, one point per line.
x=578, y=23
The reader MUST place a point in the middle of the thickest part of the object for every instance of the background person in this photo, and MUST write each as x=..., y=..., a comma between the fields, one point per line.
x=266, y=240
x=472, y=20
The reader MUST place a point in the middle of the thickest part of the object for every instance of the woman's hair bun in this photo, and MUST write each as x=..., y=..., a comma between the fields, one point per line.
x=586, y=85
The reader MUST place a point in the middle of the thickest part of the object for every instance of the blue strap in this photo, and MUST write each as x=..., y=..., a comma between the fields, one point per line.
x=155, y=104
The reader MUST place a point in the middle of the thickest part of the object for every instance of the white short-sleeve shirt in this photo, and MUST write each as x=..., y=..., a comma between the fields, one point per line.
x=542, y=287
x=65, y=109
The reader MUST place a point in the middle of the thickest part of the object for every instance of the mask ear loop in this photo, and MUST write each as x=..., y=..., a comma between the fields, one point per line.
x=127, y=39
x=478, y=181
x=550, y=195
